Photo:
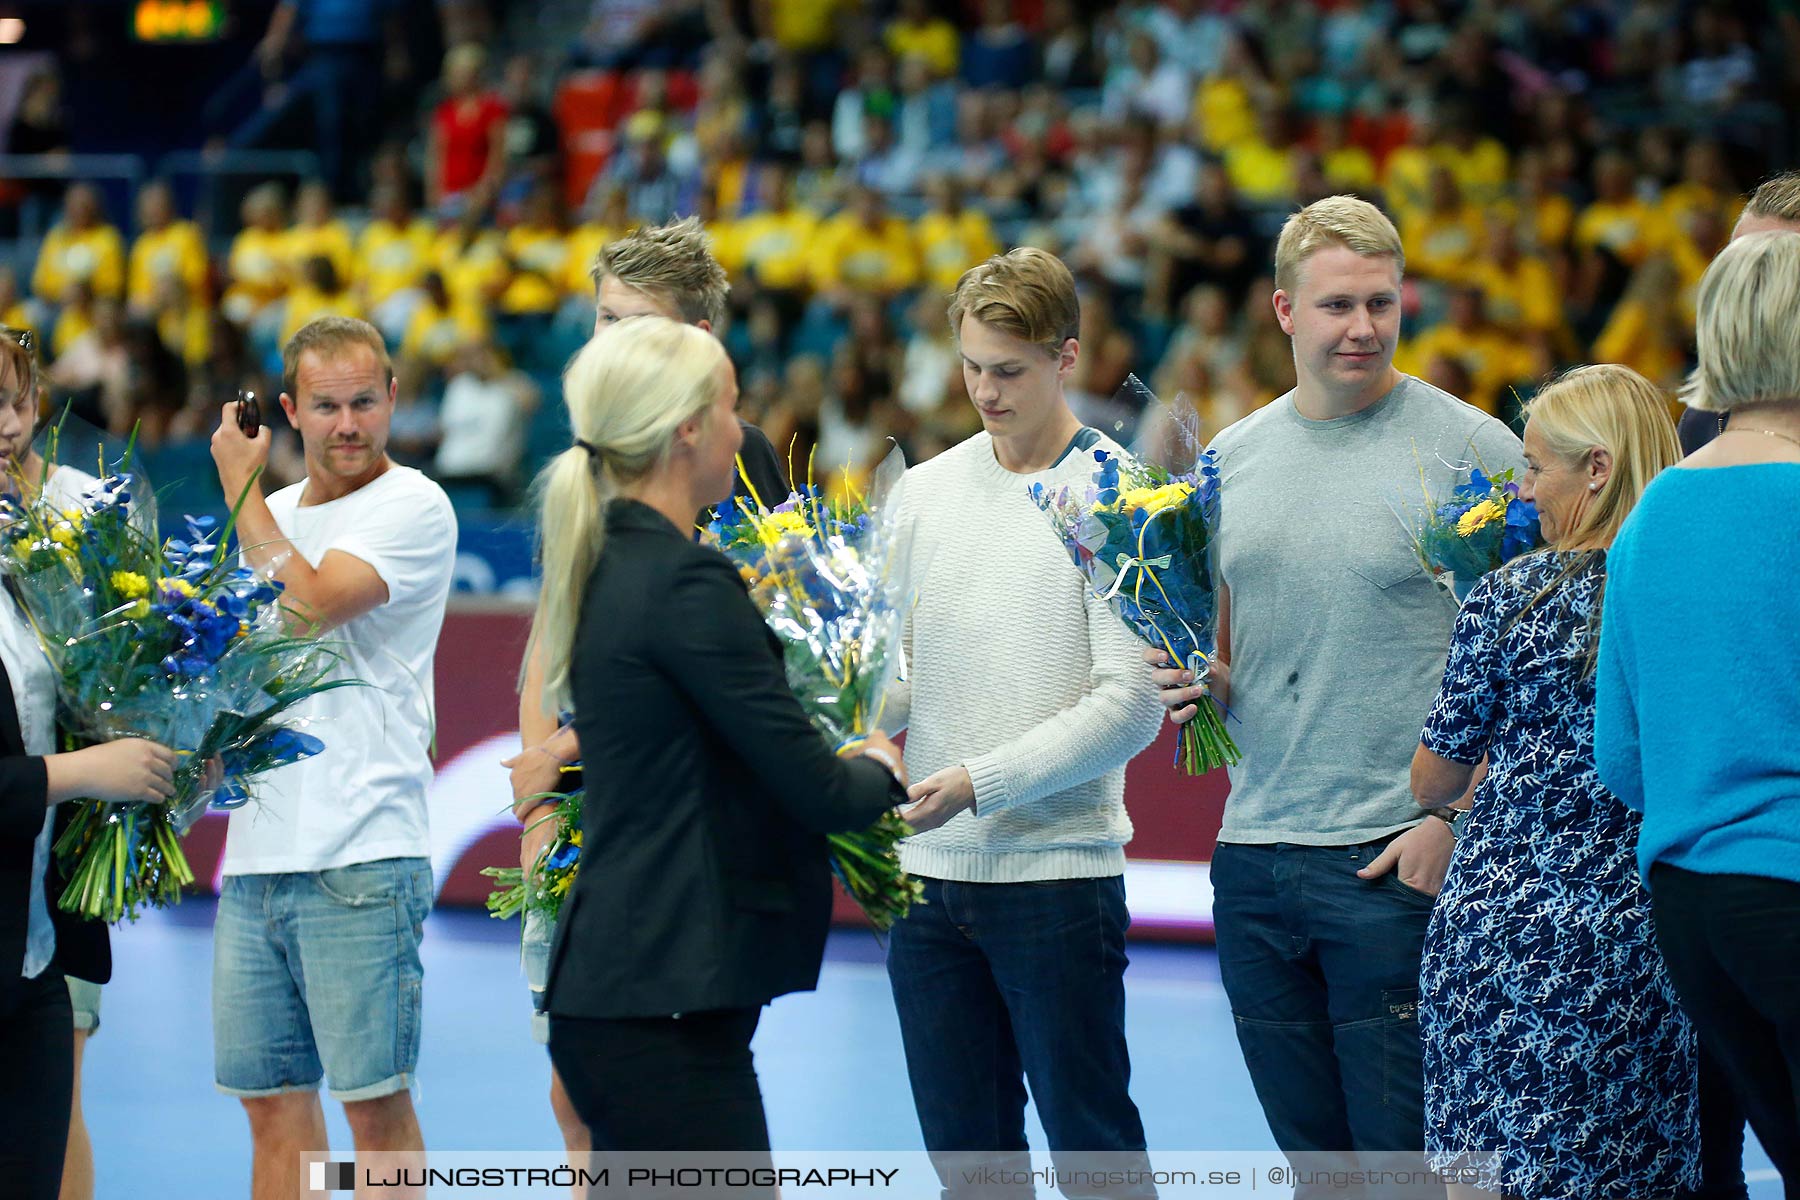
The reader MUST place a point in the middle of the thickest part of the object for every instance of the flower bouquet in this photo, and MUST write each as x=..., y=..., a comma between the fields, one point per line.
x=1482, y=525
x=547, y=886
x=821, y=570
x=165, y=640
x=1141, y=534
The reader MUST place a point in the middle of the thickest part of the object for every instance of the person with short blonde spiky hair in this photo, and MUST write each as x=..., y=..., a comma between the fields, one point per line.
x=1019, y=804
x=1324, y=874
x=1774, y=207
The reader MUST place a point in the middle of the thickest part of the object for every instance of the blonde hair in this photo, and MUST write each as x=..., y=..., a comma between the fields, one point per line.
x=328, y=338
x=1777, y=198
x=18, y=350
x=628, y=390
x=1027, y=293
x=672, y=263
x=1344, y=221
x=1609, y=407
x=1747, y=342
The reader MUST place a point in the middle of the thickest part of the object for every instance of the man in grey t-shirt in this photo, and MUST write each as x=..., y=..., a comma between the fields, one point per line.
x=1332, y=643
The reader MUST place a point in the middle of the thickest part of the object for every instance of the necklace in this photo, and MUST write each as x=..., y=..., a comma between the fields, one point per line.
x=1774, y=433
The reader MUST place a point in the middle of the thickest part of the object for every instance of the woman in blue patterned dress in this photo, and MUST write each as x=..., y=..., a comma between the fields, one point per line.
x=1552, y=1033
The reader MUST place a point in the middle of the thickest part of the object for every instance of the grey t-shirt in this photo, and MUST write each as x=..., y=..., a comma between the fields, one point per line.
x=1338, y=636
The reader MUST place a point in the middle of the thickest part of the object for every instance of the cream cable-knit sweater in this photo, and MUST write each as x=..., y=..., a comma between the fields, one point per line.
x=1017, y=673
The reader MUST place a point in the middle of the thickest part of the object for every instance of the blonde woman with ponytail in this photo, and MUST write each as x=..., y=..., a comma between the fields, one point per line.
x=1552, y=1032
x=704, y=890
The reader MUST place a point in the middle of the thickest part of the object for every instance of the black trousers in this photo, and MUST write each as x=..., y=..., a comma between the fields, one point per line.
x=37, y=1079
x=1732, y=944
x=665, y=1083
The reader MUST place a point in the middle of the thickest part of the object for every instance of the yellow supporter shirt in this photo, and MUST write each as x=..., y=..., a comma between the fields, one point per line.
x=1494, y=360
x=583, y=247
x=870, y=260
x=330, y=240
x=1262, y=174
x=1629, y=231
x=392, y=258
x=804, y=25
x=935, y=41
x=1223, y=114
x=1481, y=171
x=474, y=273
x=258, y=270
x=1631, y=337
x=187, y=332
x=174, y=251
x=71, y=323
x=1525, y=297
x=1441, y=245
x=305, y=303
x=541, y=257
x=1349, y=168
x=95, y=257
x=16, y=315
x=433, y=334
x=951, y=245
x=1553, y=220
x=774, y=246
x=1406, y=178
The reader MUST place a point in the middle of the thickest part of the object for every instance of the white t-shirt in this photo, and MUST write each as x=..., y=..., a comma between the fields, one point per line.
x=363, y=798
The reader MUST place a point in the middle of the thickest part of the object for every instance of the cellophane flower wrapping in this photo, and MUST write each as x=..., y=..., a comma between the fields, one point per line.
x=824, y=572
x=169, y=640
x=1141, y=533
x=1480, y=526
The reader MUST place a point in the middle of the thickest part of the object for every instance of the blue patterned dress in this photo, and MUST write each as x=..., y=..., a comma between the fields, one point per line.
x=1552, y=1033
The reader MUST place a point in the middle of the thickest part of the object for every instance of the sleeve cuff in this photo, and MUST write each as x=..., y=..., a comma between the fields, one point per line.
x=991, y=792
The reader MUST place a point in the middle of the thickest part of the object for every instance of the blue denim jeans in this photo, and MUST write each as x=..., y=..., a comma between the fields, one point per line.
x=316, y=975
x=998, y=984
x=1322, y=971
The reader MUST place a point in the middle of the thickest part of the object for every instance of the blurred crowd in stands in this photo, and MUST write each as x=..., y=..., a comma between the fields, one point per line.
x=1561, y=173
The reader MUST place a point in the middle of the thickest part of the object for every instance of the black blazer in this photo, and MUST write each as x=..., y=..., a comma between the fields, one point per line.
x=762, y=465
x=704, y=880
x=82, y=948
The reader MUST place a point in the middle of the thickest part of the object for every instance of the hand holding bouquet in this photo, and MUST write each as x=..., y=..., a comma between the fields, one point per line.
x=1141, y=533
x=821, y=571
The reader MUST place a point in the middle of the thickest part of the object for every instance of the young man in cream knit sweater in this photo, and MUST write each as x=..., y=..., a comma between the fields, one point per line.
x=1026, y=697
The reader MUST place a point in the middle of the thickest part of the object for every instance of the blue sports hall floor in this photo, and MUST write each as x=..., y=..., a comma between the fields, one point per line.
x=830, y=1061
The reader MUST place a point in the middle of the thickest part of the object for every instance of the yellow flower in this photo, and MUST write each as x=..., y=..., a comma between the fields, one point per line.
x=778, y=525
x=138, y=611
x=63, y=534
x=1154, y=500
x=130, y=585
x=73, y=516
x=179, y=585
x=22, y=548
x=1482, y=514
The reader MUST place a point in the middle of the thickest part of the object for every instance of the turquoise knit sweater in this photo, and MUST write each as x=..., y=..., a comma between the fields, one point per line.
x=1697, y=718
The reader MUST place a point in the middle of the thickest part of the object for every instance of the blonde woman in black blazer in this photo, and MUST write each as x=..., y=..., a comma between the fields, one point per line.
x=704, y=890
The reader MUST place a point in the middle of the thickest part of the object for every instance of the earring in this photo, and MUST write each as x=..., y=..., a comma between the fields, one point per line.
x=1593, y=487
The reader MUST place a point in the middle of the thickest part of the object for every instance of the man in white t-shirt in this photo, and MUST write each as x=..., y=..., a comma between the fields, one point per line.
x=316, y=971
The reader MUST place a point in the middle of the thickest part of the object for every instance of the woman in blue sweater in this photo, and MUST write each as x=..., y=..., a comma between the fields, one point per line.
x=1695, y=724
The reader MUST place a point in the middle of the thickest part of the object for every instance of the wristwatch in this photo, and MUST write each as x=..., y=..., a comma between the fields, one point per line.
x=1449, y=816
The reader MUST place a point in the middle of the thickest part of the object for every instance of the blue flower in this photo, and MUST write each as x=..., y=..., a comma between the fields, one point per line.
x=566, y=856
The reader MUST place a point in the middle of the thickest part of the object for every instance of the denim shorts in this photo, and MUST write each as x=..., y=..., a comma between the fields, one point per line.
x=316, y=976
x=534, y=956
x=84, y=998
